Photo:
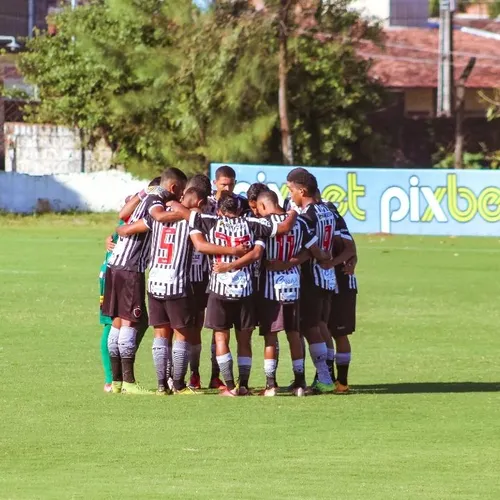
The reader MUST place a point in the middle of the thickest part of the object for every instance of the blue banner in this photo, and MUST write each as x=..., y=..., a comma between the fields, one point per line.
x=398, y=201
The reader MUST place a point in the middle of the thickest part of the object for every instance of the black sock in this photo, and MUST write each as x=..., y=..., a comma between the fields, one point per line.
x=342, y=372
x=300, y=379
x=179, y=385
x=128, y=370
x=270, y=382
x=116, y=369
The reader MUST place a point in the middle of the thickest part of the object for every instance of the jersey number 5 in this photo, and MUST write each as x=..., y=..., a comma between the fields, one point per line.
x=166, y=245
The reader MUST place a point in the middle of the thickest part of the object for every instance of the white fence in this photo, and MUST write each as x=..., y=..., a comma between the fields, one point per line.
x=94, y=192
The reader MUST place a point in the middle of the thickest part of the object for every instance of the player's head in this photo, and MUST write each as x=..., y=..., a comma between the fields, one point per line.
x=194, y=197
x=155, y=182
x=225, y=179
x=253, y=194
x=267, y=203
x=174, y=181
x=229, y=206
x=317, y=196
x=201, y=182
x=302, y=184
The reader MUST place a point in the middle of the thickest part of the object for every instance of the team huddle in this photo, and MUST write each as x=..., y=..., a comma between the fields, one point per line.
x=222, y=261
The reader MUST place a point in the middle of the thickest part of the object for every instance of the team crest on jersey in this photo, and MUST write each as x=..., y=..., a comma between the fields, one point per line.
x=137, y=312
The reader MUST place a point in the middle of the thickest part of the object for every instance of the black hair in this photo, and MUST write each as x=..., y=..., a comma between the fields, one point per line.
x=229, y=205
x=173, y=174
x=304, y=179
x=199, y=193
x=295, y=172
x=255, y=190
x=155, y=182
x=225, y=171
x=201, y=182
x=269, y=196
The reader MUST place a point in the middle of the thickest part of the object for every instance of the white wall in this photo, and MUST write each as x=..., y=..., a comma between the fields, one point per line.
x=373, y=8
x=95, y=192
x=395, y=12
x=49, y=149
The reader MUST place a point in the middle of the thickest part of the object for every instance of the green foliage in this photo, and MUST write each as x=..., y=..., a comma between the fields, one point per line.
x=478, y=160
x=330, y=92
x=494, y=9
x=167, y=84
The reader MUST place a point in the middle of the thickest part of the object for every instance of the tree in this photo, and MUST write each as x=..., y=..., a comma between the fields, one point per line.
x=165, y=83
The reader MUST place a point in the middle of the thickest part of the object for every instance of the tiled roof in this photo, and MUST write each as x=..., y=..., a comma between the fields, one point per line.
x=410, y=58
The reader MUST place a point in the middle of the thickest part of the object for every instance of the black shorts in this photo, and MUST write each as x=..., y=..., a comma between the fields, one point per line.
x=343, y=314
x=224, y=314
x=178, y=313
x=200, y=296
x=315, y=305
x=124, y=295
x=277, y=316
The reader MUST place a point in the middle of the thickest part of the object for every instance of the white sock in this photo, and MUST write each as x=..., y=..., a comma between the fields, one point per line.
x=318, y=355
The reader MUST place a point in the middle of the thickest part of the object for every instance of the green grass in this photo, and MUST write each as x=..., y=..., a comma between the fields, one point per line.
x=423, y=422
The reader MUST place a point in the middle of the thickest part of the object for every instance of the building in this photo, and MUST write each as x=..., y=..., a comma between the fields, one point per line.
x=16, y=17
x=408, y=65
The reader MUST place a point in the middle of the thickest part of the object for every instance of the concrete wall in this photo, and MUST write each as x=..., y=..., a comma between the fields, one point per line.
x=49, y=149
x=95, y=192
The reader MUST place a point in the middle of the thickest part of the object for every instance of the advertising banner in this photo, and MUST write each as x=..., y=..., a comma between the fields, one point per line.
x=398, y=201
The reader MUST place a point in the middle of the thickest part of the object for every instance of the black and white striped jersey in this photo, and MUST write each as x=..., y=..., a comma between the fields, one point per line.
x=131, y=253
x=345, y=282
x=231, y=232
x=200, y=263
x=284, y=286
x=321, y=222
x=213, y=205
x=170, y=264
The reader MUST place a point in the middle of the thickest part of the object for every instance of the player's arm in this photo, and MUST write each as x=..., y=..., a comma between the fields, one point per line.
x=279, y=265
x=287, y=225
x=266, y=228
x=348, y=253
x=253, y=256
x=159, y=214
x=129, y=229
x=110, y=243
x=129, y=207
x=180, y=210
x=203, y=246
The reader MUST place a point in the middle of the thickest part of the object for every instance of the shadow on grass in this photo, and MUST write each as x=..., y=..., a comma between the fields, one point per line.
x=427, y=387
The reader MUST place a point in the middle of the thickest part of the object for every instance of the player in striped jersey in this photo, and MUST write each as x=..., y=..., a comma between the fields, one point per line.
x=317, y=283
x=230, y=301
x=124, y=299
x=170, y=292
x=225, y=182
x=126, y=212
x=342, y=321
x=199, y=272
x=279, y=292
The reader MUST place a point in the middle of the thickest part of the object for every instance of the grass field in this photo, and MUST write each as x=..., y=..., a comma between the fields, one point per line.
x=423, y=421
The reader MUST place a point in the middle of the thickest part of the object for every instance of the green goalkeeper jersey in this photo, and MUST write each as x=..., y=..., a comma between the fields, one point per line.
x=105, y=320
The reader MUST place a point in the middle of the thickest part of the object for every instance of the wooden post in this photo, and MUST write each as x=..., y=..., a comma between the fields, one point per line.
x=286, y=133
x=460, y=113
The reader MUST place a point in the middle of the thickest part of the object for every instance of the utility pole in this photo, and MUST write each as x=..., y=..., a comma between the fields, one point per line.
x=74, y=4
x=445, y=65
x=31, y=17
x=460, y=110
